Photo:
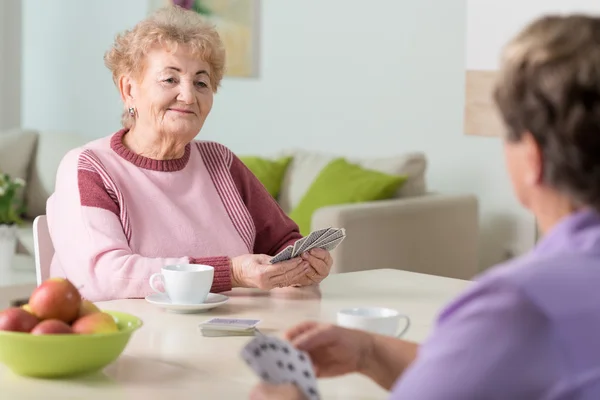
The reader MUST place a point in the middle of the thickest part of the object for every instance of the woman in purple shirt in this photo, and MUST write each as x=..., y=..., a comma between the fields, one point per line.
x=528, y=329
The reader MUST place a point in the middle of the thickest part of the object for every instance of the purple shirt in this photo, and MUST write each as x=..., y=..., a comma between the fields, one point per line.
x=528, y=329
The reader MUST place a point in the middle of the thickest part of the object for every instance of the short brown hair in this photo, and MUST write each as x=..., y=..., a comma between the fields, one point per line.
x=169, y=27
x=549, y=86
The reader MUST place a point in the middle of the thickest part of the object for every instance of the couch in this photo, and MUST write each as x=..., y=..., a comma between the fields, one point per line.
x=416, y=230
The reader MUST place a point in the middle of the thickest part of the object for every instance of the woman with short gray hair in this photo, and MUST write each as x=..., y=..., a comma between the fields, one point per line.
x=528, y=329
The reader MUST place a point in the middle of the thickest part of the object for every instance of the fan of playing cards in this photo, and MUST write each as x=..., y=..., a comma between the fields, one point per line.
x=328, y=239
x=278, y=362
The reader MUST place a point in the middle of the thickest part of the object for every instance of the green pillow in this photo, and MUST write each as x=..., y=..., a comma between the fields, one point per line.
x=341, y=182
x=269, y=172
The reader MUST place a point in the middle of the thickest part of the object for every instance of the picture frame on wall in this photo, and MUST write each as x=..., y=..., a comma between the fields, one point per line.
x=238, y=24
x=489, y=26
x=482, y=51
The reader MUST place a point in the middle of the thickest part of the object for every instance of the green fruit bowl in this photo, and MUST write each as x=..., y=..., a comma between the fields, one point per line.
x=62, y=355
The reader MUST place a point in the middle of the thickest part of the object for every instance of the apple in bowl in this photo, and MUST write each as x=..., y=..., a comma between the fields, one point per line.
x=16, y=319
x=60, y=334
x=56, y=307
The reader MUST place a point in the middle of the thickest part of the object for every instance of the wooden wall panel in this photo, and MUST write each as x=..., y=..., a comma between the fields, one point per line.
x=481, y=117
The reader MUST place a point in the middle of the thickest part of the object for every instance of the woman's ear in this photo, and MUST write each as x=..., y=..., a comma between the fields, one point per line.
x=534, y=160
x=126, y=89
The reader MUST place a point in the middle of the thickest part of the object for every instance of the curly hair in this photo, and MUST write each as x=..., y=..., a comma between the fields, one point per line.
x=168, y=27
x=549, y=86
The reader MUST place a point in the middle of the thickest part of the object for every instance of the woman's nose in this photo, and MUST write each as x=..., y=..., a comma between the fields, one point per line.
x=186, y=93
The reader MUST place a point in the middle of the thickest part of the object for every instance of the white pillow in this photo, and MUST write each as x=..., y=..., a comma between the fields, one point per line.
x=51, y=148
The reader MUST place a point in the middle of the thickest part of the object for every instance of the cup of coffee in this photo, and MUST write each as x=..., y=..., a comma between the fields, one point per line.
x=383, y=321
x=185, y=283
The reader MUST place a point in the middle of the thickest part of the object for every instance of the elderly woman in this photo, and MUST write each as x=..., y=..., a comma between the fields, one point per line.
x=150, y=195
x=529, y=329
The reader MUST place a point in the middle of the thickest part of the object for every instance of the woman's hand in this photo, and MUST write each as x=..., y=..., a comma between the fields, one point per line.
x=333, y=350
x=265, y=391
x=320, y=261
x=255, y=271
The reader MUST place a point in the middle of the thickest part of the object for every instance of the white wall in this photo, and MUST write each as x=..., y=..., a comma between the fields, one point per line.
x=65, y=84
x=355, y=77
x=10, y=63
x=490, y=23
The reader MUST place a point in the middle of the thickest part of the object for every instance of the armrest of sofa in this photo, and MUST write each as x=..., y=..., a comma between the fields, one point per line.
x=433, y=234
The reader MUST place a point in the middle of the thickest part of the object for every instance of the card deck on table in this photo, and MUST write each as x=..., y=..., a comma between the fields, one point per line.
x=218, y=327
x=328, y=239
x=276, y=361
x=230, y=324
x=207, y=332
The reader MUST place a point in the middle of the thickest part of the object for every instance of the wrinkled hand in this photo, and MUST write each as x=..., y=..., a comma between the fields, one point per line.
x=320, y=261
x=333, y=350
x=266, y=391
x=255, y=271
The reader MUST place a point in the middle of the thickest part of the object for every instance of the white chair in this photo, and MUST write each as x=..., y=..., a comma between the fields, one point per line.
x=44, y=249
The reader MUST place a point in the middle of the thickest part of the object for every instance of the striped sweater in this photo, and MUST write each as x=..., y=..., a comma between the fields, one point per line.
x=116, y=217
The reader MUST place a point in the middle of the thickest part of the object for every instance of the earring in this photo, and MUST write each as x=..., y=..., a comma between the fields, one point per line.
x=131, y=111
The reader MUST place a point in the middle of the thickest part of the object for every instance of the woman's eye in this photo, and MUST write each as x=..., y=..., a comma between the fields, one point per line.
x=169, y=80
x=201, y=84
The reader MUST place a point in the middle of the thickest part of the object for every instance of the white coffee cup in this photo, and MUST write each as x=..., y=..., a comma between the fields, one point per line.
x=185, y=283
x=384, y=321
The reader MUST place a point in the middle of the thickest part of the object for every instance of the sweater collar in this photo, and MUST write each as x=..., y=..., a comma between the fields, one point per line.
x=116, y=144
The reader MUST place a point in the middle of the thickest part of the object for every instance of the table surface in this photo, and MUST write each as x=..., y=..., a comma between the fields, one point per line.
x=169, y=356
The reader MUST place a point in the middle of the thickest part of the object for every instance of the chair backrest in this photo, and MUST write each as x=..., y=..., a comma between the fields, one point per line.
x=44, y=249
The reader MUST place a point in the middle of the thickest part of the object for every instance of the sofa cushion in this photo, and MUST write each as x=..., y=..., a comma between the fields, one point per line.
x=341, y=182
x=16, y=148
x=51, y=148
x=306, y=166
x=268, y=172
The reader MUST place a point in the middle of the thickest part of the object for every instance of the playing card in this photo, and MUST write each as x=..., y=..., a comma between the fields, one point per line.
x=333, y=244
x=311, y=239
x=277, y=361
x=229, y=324
x=283, y=255
x=318, y=238
x=325, y=238
x=299, y=243
x=337, y=234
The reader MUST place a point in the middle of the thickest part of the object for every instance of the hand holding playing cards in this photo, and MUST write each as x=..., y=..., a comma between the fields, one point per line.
x=333, y=350
x=267, y=391
x=256, y=271
x=320, y=261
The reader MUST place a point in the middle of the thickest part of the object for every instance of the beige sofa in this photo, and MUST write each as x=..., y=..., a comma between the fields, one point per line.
x=416, y=231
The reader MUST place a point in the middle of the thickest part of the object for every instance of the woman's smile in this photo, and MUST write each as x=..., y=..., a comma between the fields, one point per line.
x=181, y=111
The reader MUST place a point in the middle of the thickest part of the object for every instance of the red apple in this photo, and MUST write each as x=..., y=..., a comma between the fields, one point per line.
x=16, y=319
x=99, y=322
x=27, y=308
x=56, y=298
x=51, y=327
x=86, y=308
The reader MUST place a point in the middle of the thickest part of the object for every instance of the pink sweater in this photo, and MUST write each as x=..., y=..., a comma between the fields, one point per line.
x=116, y=217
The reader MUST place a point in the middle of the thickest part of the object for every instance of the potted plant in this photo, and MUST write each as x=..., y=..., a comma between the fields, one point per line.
x=11, y=209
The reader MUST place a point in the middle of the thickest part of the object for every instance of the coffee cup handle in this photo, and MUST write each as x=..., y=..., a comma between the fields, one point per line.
x=153, y=278
x=403, y=331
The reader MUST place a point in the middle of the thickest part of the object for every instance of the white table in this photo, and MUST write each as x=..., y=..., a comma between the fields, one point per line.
x=22, y=271
x=169, y=358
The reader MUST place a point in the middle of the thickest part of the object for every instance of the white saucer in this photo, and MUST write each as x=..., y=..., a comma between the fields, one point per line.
x=213, y=300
